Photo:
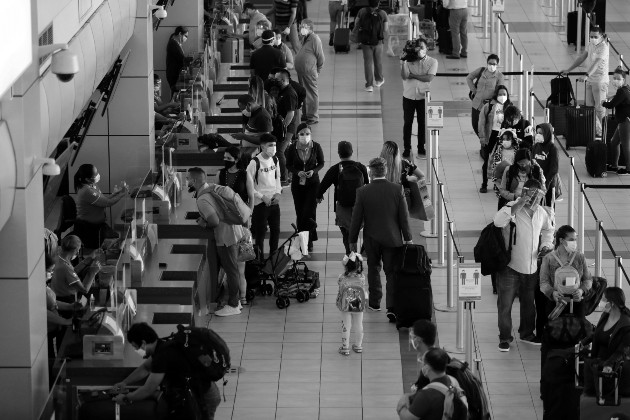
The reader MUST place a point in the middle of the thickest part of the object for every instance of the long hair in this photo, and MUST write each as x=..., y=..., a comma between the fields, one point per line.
x=562, y=233
x=179, y=30
x=391, y=154
x=271, y=107
x=496, y=95
x=257, y=90
x=616, y=296
x=82, y=175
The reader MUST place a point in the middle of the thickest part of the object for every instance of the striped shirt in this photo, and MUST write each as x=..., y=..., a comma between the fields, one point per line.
x=283, y=11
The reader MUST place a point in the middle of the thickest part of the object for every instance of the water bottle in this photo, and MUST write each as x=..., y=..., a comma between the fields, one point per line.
x=91, y=303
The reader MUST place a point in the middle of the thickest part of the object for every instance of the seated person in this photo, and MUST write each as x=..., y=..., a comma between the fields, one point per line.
x=90, y=224
x=162, y=109
x=286, y=51
x=258, y=121
x=165, y=367
x=65, y=282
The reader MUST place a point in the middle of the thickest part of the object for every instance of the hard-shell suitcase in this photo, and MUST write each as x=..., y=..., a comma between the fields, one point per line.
x=102, y=407
x=232, y=50
x=611, y=123
x=558, y=119
x=413, y=296
x=597, y=155
x=557, y=385
x=580, y=124
x=341, y=40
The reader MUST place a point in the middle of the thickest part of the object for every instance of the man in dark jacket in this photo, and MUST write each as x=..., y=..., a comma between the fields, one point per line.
x=266, y=58
x=546, y=155
x=380, y=206
x=343, y=213
x=513, y=118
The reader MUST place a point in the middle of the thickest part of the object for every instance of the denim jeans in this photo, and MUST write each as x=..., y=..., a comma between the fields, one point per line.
x=621, y=138
x=413, y=108
x=595, y=95
x=457, y=21
x=262, y=216
x=389, y=257
x=372, y=63
x=508, y=283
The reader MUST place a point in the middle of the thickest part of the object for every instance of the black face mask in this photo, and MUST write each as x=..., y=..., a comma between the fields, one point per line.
x=228, y=164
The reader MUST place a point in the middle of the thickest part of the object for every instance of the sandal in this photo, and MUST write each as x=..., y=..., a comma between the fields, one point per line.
x=357, y=349
x=344, y=351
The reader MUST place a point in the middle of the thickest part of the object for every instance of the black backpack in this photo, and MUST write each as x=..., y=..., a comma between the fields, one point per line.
x=371, y=27
x=349, y=180
x=299, y=91
x=561, y=92
x=490, y=250
x=206, y=352
x=279, y=130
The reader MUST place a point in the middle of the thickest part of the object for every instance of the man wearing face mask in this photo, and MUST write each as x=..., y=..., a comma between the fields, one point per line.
x=546, y=155
x=165, y=368
x=226, y=237
x=287, y=109
x=254, y=18
x=282, y=47
x=308, y=64
x=258, y=122
x=533, y=232
x=483, y=84
x=621, y=138
x=417, y=70
x=596, y=56
x=65, y=281
x=266, y=58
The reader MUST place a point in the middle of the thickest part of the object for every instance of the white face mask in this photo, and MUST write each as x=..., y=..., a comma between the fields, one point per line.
x=570, y=246
x=303, y=31
x=97, y=178
x=595, y=41
x=247, y=113
x=507, y=144
x=259, y=32
x=607, y=307
x=271, y=150
x=278, y=42
x=141, y=352
x=304, y=138
x=49, y=275
x=539, y=138
x=492, y=68
x=501, y=99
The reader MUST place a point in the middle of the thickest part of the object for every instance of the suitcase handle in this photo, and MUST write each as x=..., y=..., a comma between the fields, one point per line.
x=577, y=83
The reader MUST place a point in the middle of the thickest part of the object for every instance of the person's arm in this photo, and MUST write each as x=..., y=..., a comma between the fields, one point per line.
x=357, y=220
x=249, y=185
x=578, y=61
x=546, y=280
x=481, y=126
x=426, y=77
x=251, y=170
x=403, y=217
x=385, y=24
x=553, y=159
x=272, y=11
x=137, y=375
x=546, y=234
x=586, y=281
x=327, y=181
x=405, y=414
x=504, y=189
x=319, y=53
x=366, y=177
x=504, y=216
x=104, y=201
x=289, y=156
x=319, y=154
x=55, y=319
x=620, y=353
x=293, y=15
x=250, y=137
x=619, y=97
x=470, y=80
x=276, y=196
x=288, y=118
x=208, y=213
x=148, y=389
x=404, y=70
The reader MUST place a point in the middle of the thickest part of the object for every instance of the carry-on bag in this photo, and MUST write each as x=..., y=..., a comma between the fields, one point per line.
x=97, y=405
x=341, y=37
x=557, y=385
x=596, y=156
x=580, y=124
x=558, y=119
x=232, y=50
x=413, y=296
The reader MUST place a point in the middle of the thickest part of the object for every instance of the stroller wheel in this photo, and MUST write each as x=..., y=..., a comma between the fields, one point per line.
x=280, y=303
x=287, y=302
x=268, y=289
x=300, y=296
x=307, y=296
x=250, y=294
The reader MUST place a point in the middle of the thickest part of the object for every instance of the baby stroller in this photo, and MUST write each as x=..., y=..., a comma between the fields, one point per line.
x=283, y=268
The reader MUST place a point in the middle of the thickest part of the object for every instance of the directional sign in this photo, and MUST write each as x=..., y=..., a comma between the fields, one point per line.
x=435, y=115
x=498, y=6
x=469, y=282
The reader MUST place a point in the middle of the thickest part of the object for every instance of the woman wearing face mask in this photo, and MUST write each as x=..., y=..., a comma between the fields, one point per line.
x=483, y=84
x=417, y=70
x=621, y=103
x=515, y=176
x=175, y=56
x=611, y=338
x=490, y=120
x=546, y=155
x=308, y=64
x=565, y=254
x=502, y=155
x=91, y=221
x=305, y=158
x=235, y=176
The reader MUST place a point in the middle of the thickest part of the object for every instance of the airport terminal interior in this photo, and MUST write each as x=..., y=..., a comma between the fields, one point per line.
x=77, y=87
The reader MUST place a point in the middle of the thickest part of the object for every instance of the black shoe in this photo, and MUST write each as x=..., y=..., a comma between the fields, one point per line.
x=504, y=346
x=483, y=189
x=453, y=57
x=494, y=291
x=391, y=315
x=622, y=171
x=422, y=152
x=310, y=247
x=406, y=154
x=610, y=168
x=533, y=340
x=464, y=55
x=331, y=40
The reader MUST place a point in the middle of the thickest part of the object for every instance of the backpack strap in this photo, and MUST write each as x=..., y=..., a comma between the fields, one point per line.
x=512, y=235
x=555, y=255
x=572, y=258
x=255, y=159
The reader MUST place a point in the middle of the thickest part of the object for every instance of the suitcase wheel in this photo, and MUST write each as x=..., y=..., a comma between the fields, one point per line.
x=300, y=296
x=280, y=303
x=604, y=174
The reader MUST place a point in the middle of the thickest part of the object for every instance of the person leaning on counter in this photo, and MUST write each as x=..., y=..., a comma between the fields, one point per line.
x=90, y=224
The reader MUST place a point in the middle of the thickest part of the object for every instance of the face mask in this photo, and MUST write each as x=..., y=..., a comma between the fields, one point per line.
x=507, y=144
x=228, y=164
x=156, y=90
x=141, y=352
x=539, y=138
x=97, y=178
x=74, y=257
x=412, y=342
x=501, y=99
x=278, y=42
x=271, y=150
x=422, y=53
x=304, y=138
x=492, y=68
x=191, y=187
x=247, y=113
x=259, y=32
x=607, y=307
x=570, y=246
x=303, y=31
x=594, y=41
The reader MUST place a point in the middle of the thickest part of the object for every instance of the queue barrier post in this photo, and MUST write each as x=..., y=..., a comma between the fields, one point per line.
x=484, y=18
x=561, y=13
x=578, y=40
x=440, y=224
x=450, y=278
x=524, y=93
x=470, y=345
x=520, y=82
x=491, y=28
x=580, y=234
x=506, y=53
x=511, y=65
x=460, y=317
x=571, y=199
x=618, y=273
x=498, y=50
x=598, y=248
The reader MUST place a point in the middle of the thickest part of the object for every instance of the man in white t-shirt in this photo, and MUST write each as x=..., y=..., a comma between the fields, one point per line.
x=416, y=74
x=265, y=171
x=596, y=57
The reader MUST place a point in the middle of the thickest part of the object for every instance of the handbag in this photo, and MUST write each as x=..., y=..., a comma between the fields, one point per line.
x=246, y=250
x=471, y=95
x=418, y=200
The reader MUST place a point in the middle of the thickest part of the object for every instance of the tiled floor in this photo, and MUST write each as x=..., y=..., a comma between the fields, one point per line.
x=288, y=365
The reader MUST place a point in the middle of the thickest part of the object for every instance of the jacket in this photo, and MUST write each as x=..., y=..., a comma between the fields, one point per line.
x=332, y=175
x=174, y=61
x=546, y=155
x=619, y=344
x=509, y=181
x=295, y=164
x=524, y=132
x=486, y=120
x=621, y=103
x=486, y=85
x=310, y=58
x=381, y=206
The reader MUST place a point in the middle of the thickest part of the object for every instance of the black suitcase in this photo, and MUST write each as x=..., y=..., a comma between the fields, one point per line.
x=561, y=398
x=558, y=119
x=341, y=38
x=596, y=159
x=580, y=124
x=413, y=296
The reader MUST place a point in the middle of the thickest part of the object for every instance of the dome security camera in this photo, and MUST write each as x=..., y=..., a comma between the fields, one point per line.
x=160, y=13
x=65, y=64
x=49, y=166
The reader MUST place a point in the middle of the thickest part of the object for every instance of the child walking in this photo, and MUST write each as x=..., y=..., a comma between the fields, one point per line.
x=351, y=301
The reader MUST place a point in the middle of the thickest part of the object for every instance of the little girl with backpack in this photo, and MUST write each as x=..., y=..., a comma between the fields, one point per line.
x=352, y=300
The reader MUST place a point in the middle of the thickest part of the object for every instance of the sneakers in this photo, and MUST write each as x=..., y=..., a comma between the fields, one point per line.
x=379, y=84
x=357, y=349
x=374, y=308
x=453, y=57
x=504, y=346
x=344, y=351
x=369, y=89
x=391, y=315
x=422, y=152
x=610, y=168
x=228, y=310
x=533, y=340
x=622, y=171
x=483, y=190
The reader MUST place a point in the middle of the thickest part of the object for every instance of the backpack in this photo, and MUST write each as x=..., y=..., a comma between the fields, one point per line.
x=565, y=272
x=255, y=159
x=594, y=295
x=370, y=27
x=299, y=91
x=352, y=295
x=206, y=352
x=490, y=250
x=232, y=209
x=478, y=406
x=561, y=91
x=279, y=131
x=349, y=180
x=455, y=404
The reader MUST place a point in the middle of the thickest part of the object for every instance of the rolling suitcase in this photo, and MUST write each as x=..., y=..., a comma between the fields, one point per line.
x=341, y=38
x=232, y=50
x=597, y=155
x=558, y=119
x=580, y=124
x=97, y=405
x=413, y=296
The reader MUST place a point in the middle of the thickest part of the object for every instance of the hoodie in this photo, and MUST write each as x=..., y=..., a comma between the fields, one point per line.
x=546, y=155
